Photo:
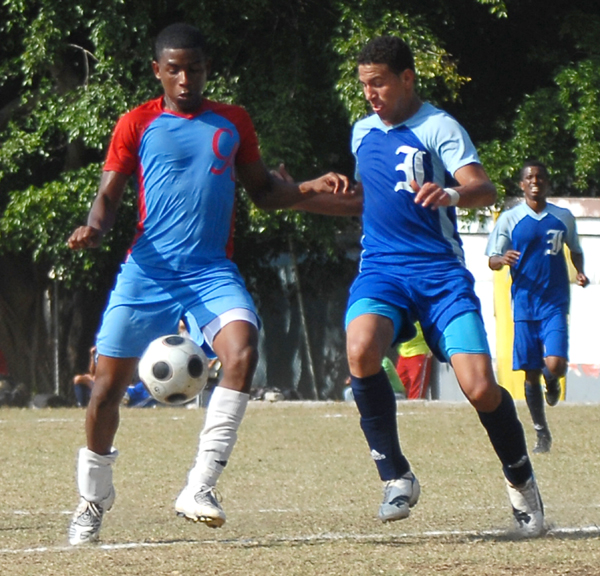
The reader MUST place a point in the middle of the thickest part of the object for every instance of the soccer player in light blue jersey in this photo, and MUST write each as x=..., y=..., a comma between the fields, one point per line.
x=530, y=239
x=185, y=153
x=414, y=165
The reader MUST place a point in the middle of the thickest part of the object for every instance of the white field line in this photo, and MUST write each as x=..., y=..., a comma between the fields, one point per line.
x=324, y=537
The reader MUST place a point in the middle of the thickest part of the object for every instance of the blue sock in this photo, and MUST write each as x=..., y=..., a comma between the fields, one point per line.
x=550, y=379
x=535, y=402
x=376, y=403
x=508, y=439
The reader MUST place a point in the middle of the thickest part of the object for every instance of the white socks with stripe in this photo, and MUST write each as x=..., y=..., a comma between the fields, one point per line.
x=223, y=417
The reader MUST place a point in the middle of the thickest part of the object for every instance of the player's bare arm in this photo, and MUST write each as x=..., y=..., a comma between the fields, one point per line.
x=509, y=258
x=103, y=212
x=475, y=190
x=270, y=193
x=581, y=279
x=348, y=204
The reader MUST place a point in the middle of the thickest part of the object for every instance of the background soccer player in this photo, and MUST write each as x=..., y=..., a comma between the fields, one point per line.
x=186, y=153
x=530, y=239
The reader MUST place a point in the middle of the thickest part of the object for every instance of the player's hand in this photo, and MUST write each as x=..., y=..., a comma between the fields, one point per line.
x=330, y=183
x=85, y=237
x=582, y=280
x=430, y=195
x=510, y=258
x=282, y=174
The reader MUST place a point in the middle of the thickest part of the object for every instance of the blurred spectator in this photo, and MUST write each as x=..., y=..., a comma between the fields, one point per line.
x=414, y=365
x=83, y=383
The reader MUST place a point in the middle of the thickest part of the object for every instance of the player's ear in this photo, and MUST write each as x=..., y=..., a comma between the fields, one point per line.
x=156, y=69
x=407, y=78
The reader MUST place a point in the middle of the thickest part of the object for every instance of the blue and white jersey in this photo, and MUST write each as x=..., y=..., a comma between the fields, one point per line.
x=540, y=278
x=428, y=147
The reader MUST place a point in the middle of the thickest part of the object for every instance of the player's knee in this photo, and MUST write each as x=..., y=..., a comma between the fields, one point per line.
x=240, y=362
x=484, y=396
x=556, y=365
x=106, y=394
x=363, y=360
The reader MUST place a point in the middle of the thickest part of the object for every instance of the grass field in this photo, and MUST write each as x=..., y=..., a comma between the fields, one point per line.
x=301, y=496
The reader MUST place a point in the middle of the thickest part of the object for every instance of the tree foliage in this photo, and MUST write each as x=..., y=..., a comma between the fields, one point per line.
x=558, y=123
x=523, y=76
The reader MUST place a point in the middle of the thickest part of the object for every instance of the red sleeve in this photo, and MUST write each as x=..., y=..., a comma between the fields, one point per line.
x=248, y=151
x=122, y=153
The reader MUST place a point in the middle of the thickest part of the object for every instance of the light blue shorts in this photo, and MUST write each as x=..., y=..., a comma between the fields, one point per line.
x=464, y=334
x=143, y=305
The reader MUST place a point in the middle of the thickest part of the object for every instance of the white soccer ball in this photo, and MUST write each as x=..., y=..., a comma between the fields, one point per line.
x=174, y=369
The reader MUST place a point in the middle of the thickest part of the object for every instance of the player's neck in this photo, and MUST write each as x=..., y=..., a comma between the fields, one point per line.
x=537, y=205
x=405, y=112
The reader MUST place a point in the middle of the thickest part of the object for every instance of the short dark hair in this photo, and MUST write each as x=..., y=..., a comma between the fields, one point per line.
x=179, y=36
x=389, y=50
x=531, y=164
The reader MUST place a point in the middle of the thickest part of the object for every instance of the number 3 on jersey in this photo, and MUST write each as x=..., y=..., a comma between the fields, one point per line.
x=412, y=167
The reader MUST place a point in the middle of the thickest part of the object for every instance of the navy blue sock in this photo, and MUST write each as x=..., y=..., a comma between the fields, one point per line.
x=508, y=439
x=550, y=379
x=535, y=402
x=376, y=403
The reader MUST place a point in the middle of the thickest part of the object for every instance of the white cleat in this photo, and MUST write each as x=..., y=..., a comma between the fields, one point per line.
x=87, y=520
x=200, y=505
x=399, y=496
x=528, y=508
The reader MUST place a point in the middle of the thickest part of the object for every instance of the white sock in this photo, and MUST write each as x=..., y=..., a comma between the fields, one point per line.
x=94, y=474
x=223, y=417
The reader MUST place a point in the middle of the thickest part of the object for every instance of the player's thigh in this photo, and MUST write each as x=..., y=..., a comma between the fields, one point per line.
x=464, y=341
x=214, y=292
x=128, y=328
x=528, y=351
x=370, y=330
x=555, y=336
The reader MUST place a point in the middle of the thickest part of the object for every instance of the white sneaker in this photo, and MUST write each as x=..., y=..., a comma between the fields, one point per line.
x=200, y=506
x=87, y=520
x=399, y=496
x=528, y=508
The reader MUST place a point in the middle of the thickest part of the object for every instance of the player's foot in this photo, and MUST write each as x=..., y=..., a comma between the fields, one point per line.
x=528, y=508
x=399, y=496
x=200, y=505
x=87, y=520
x=543, y=443
x=552, y=389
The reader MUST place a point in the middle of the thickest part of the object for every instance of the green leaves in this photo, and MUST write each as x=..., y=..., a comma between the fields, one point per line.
x=38, y=221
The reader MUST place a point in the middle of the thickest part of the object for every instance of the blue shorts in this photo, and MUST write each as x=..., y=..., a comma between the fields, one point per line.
x=464, y=334
x=536, y=339
x=145, y=305
x=435, y=299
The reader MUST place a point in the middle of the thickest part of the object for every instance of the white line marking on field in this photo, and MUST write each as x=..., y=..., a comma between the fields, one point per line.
x=325, y=537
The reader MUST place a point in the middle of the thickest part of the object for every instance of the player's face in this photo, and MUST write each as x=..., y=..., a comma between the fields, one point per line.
x=535, y=183
x=390, y=95
x=182, y=73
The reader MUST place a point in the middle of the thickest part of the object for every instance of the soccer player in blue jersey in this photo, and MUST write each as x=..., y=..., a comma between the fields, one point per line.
x=414, y=165
x=186, y=153
x=530, y=239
